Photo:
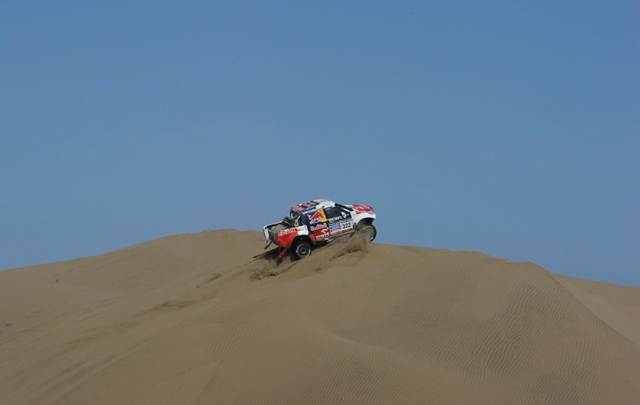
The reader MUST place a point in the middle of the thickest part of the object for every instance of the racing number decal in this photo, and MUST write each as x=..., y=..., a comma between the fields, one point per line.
x=339, y=220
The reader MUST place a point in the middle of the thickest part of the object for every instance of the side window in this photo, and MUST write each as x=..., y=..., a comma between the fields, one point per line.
x=332, y=212
x=336, y=214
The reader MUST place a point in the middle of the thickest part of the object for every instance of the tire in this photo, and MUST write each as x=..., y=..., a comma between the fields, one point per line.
x=368, y=231
x=301, y=248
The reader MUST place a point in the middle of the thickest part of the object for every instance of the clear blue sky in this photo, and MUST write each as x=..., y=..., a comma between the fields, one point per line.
x=507, y=127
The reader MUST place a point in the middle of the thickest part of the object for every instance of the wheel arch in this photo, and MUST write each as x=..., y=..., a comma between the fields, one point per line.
x=301, y=237
x=301, y=247
x=363, y=222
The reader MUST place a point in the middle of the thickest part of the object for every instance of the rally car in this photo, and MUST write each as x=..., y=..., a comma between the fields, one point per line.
x=319, y=221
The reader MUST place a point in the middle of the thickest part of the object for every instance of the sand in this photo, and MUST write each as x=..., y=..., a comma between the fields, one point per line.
x=195, y=319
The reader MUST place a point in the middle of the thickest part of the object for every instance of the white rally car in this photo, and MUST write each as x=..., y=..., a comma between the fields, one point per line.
x=319, y=221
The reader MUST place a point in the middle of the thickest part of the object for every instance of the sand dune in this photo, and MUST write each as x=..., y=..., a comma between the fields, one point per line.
x=194, y=319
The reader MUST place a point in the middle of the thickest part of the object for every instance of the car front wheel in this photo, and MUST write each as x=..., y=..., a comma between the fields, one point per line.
x=369, y=232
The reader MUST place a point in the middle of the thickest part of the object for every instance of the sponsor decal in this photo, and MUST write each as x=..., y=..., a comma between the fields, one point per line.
x=361, y=209
x=342, y=217
x=338, y=228
x=287, y=231
x=323, y=234
x=317, y=227
x=303, y=206
x=286, y=236
x=316, y=217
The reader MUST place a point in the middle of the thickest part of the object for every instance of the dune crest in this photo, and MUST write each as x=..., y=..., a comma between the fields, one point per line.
x=195, y=319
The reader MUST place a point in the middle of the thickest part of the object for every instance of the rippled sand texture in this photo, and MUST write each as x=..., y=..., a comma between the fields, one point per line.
x=195, y=319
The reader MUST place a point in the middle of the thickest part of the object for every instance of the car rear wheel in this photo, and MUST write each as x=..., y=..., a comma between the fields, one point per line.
x=301, y=248
x=369, y=232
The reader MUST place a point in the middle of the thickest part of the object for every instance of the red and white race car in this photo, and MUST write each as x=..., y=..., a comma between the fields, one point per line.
x=319, y=221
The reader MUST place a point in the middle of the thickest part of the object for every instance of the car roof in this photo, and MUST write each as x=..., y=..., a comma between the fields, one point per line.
x=313, y=205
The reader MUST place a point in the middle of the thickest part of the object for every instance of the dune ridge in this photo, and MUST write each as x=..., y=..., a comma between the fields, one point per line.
x=195, y=319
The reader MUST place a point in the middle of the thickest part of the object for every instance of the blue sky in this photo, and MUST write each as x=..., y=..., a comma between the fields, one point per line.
x=507, y=127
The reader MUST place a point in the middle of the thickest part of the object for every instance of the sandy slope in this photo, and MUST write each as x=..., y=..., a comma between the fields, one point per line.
x=193, y=319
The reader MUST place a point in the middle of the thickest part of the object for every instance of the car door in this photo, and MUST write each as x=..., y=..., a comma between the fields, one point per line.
x=339, y=220
x=316, y=221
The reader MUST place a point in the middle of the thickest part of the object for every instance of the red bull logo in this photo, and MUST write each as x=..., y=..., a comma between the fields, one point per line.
x=318, y=216
x=318, y=227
